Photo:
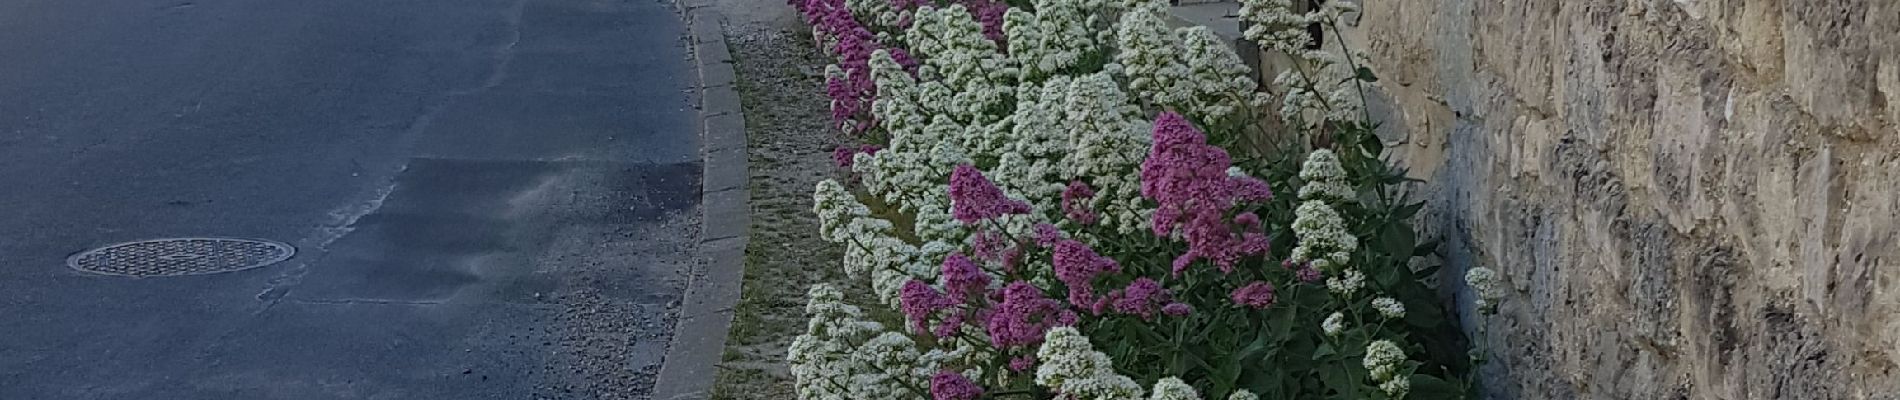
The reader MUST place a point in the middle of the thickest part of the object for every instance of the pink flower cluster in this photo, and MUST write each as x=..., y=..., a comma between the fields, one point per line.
x=1075, y=203
x=908, y=5
x=1142, y=297
x=852, y=43
x=974, y=198
x=990, y=14
x=1302, y=271
x=1258, y=294
x=919, y=302
x=844, y=156
x=1024, y=315
x=1016, y=316
x=950, y=385
x=1187, y=178
x=1047, y=235
x=1077, y=265
x=963, y=284
x=962, y=279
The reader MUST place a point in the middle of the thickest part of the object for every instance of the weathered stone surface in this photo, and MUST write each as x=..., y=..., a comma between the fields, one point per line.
x=1691, y=199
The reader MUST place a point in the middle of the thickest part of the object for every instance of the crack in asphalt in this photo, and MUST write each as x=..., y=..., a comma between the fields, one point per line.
x=364, y=302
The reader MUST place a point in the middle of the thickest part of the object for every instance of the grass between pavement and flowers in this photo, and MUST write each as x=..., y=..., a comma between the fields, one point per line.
x=789, y=149
x=1070, y=198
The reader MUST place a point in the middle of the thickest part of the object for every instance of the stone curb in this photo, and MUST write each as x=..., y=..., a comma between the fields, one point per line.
x=705, y=315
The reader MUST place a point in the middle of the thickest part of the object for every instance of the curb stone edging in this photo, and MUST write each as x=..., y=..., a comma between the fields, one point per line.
x=713, y=287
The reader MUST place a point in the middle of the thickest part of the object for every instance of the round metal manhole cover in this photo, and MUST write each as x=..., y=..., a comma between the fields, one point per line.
x=185, y=256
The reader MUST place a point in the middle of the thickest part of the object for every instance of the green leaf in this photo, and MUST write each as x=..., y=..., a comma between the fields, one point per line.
x=1432, y=387
x=1323, y=351
x=1365, y=74
x=1371, y=144
x=1225, y=377
x=1398, y=239
x=1336, y=379
x=1253, y=349
x=1426, y=272
x=1407, y=211
x=1425, y=249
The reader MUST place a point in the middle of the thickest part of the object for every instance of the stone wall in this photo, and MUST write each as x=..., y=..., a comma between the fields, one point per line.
x=1691, y=199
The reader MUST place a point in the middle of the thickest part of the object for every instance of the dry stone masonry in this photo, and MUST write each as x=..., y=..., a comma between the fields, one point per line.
x=1689, y=199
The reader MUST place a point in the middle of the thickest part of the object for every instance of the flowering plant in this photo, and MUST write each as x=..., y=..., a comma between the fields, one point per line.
x=1068, y=199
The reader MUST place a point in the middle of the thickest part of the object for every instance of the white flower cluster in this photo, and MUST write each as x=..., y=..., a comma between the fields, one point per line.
x=1274, y=25
x=1331, y=12
x=1243, y=394
x=1219, y=84
x=875, y=13
x=897, y=105
x=1484, y=282
x=1325, y=178
x=1190, y=69
x=1334, y=324
x=936, y=225
x=836, y=209
x=1172, y=388
x=1384, y=359
x=1327, y=83
x=893, y=362
x=1322, y=235
x=1328, y=86
x=1147, y=50
x=1071, y=365
x=825, y=361
x=1110, y=139
x=1347, y=283
x=1397, y=387
x=910, y=172
x=975, y=77
x=1389, y=307
x=872, y=248
x=959, y=353
x=1034, y=153
x=1052, y=39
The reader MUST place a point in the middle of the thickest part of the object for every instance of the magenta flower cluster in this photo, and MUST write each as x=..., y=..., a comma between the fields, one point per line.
x=1258, y=294
x=852, y=43
x=989, y=13
x=1177, y=309
x=974, y=197
x=1075, y=203
x=1187, y=179
x=910, y=5
x=1142, y=298
x=1077, y=266
x=919, y=302
x=950, y=385
x=1024, y=315
x=1020, y=364
x=1047, y=235
x=844, y=156
x=962, y=279
x=964, y=284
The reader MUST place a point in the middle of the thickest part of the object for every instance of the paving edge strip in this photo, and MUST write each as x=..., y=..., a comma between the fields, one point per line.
x=705, y=315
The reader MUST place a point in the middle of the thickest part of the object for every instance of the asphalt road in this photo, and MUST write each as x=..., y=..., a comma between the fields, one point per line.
x=491, y=199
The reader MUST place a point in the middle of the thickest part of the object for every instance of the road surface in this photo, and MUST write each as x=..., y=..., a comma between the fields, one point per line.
x=490, y=199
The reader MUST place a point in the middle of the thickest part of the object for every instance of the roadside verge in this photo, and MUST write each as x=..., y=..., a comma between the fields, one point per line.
x=712, y=290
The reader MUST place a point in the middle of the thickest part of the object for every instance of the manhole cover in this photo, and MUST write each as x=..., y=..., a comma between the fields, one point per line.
x=187, y=256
